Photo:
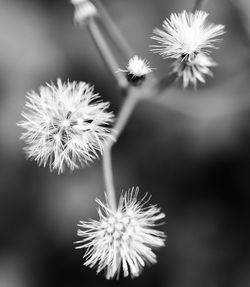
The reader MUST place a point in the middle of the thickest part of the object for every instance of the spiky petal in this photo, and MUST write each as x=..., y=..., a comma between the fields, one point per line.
x=122, y=240
x=65, y=125
x=192, y=71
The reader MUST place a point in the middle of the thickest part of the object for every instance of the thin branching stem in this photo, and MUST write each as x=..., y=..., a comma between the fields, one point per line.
x=133, y=94
x=123, y=48
x=119, y=126
x=106, y=54
x=126, y=110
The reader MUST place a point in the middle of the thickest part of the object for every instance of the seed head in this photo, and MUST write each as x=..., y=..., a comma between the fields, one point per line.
x=65, y=125
x=122, y=240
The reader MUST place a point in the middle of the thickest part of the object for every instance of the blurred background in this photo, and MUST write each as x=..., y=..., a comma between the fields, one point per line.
x=190, y=150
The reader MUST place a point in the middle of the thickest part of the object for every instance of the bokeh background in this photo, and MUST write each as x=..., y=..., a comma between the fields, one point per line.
x=190, y=150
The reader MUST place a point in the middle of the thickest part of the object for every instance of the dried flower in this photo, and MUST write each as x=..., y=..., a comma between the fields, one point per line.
x=65, y=125
x=84, y=10
x=185, y=35
x=123, y=239
x=193, y=70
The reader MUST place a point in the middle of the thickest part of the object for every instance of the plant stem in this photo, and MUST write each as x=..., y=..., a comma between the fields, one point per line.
x=198, y=4
x=109, y=179
x=106, y=54
x=119, y=126
x=123, y=48
x=125, y=112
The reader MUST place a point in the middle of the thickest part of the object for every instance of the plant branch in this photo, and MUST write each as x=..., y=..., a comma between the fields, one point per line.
x=106, y=54
x=135, y=94
x=109, y=179
x=119, y=126
x=123, y=48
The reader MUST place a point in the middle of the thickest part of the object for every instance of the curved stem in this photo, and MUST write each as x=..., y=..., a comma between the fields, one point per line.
x=119, y=126
x=123, y=116
x=106, y=54
x=124, y=49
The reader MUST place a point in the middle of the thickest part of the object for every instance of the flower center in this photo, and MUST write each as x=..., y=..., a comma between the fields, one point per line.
x=66, y=123
x=118, y=228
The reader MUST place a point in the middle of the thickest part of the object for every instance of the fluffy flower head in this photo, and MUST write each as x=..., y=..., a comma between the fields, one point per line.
x=123, y=239
x=138, y=67
x=84, y=9
x=136, y=70
x=65, y=125
x=186, y=34
x=193, y=70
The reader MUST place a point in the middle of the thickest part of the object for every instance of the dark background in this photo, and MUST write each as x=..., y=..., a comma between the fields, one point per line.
x=190, y=150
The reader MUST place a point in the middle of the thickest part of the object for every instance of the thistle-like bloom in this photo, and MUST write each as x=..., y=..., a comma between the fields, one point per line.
x=193, y=70
x=123, y=239
x=65, y=125
x=185, y=35
x=84, y=10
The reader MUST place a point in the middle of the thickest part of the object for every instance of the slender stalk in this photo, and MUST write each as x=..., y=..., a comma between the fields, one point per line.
x=125, y=112
x=123, y=48
x=198, y=4
x=131, y=100
x=123, y=116
x=119, y=126
x=106, y=54
x=109, y=179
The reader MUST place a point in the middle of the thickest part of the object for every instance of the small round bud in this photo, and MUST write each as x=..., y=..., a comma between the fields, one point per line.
x=84, y=10
x=136, y=70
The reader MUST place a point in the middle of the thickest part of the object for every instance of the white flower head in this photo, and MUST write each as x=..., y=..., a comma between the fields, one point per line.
x=84, y=10
x=138, y=67
x=193, y=70
x=122, y=240
x=65, y=125
x=136, y=70
x=185, y=35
